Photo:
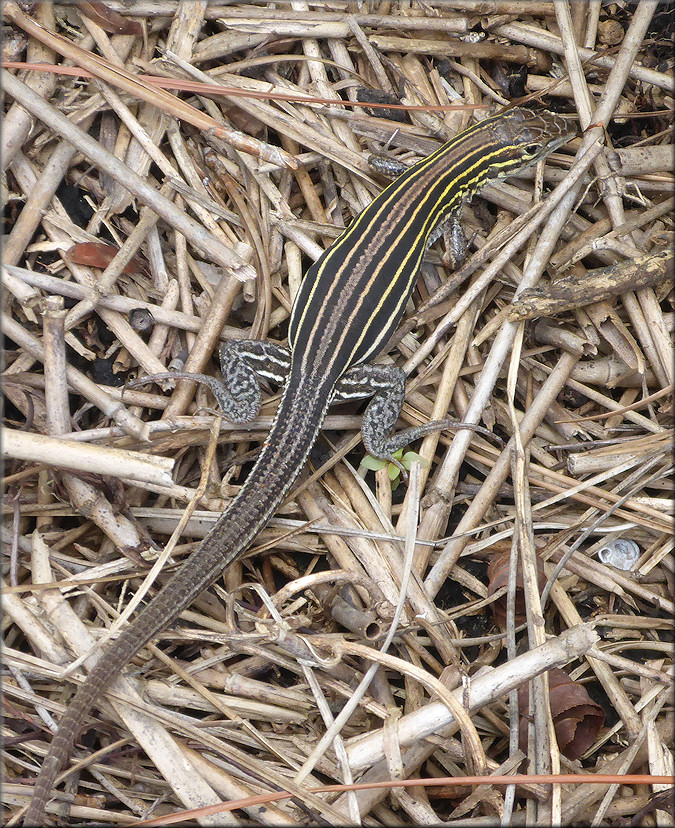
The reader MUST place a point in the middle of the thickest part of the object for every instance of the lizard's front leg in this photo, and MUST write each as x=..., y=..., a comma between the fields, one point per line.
x=241, y=363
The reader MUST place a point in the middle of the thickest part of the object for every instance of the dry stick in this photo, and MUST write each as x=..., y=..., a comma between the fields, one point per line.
x=596, y=497
x=412, y=759
x=656, y=325
x=454, y=708
x=600, y=575
x=565, y=487
x=160, y=332
x=458, y=48
x=121, y=304
x=186, y=27
x=255, y=16
x=147, y=143
x=319, y=77
x=140, y=134
x=542, y=753
x=485, y=689
x=312, y=504
x=343, y=131
x=363, y=555
x=328, y=720
x=20, y=290
x=488, y=492
x=38, y=448
x=572, y=292
x=223, y=297
x=594, y=567
x=211, y=247
x=370, y=53
x=326, y=24
x=536, y=8
x=640, y=161
x=511, y=653
x=83, y=385
x=318, y=580
x=158, y=270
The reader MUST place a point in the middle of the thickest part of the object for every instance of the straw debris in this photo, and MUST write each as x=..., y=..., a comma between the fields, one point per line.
x=171, y=167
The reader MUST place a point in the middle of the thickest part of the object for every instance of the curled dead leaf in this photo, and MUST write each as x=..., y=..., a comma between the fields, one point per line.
x=498, y=575
x=577, y=719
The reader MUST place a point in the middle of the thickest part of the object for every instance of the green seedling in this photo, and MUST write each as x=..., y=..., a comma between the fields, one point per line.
x=406, y=460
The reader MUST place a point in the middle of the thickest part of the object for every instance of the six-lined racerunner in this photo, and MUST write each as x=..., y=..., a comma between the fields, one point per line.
x=348, y=305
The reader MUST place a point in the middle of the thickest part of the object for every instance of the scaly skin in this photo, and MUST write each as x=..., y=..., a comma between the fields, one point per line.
x=349, y=303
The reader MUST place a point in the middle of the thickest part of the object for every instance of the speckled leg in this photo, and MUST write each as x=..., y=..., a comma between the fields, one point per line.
x=241, y=363
x=455, y=241
x=391, y=167
x=387, y=384
x=451, y=229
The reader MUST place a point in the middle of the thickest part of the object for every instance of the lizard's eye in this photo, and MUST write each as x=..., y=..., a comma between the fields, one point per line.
x=532, y=149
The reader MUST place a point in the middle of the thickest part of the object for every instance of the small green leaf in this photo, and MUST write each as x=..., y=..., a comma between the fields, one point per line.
x=406, y=460
x=410, y=456
x=373, y=463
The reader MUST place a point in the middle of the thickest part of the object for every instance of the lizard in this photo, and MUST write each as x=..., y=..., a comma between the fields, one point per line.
x=347, y=306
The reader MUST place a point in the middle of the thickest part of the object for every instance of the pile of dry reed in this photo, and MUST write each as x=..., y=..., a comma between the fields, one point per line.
x=554, y=335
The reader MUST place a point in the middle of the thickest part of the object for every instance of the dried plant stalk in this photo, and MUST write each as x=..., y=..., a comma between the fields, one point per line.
x=220, y=148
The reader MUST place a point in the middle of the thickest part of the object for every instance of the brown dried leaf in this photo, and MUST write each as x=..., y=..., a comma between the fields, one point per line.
x=498, y=575
x=577, y=719
x=97, y=254
x=109, y=20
